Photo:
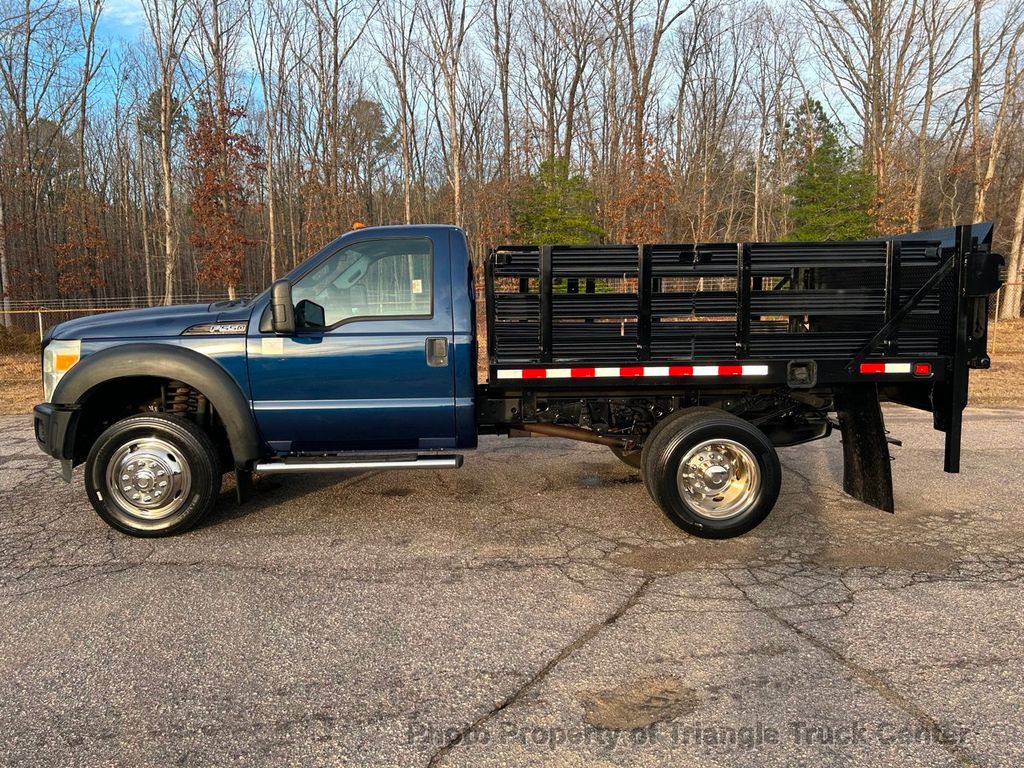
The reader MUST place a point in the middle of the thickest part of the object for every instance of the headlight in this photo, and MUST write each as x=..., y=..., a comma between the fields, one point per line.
x=58, y=357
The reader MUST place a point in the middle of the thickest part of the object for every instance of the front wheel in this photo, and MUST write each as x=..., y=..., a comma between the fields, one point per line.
x=713, y=474
x=153, y=475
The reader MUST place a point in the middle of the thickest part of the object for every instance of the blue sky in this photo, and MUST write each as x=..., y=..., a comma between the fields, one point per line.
x=122, y=19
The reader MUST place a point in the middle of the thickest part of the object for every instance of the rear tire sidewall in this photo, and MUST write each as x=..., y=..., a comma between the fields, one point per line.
x=195, y=448
x=664, y=465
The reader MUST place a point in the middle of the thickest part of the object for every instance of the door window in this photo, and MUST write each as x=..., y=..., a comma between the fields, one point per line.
x=382, y=279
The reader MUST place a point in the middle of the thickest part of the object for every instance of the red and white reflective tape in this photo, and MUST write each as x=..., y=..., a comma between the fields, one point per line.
x=918, y=369
x=634, y=371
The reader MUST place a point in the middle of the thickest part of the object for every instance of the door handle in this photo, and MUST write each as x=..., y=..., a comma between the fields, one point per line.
x=437, y=352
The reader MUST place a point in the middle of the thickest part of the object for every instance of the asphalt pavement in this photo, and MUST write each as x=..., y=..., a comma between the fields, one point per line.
x=531, y=608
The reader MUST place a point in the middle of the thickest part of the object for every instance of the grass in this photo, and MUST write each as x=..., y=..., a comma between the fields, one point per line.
x=1001, y=385
x=21, y=383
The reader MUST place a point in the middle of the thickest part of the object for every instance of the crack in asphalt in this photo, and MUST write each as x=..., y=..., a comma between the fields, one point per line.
x=537, y=678
x=874, y=681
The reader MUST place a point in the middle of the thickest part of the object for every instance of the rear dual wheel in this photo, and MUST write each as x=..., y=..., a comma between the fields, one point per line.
x=713, y=474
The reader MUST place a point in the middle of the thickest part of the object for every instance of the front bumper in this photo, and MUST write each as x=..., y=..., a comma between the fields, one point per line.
x=55, y=433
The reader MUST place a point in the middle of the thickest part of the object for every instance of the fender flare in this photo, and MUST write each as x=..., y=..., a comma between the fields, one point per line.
x=169, y=362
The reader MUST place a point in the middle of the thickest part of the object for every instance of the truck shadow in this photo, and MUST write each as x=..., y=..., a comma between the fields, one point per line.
x=269, y=492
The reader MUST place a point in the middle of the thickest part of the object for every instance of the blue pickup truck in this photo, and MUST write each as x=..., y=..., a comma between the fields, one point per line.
x=690, y=362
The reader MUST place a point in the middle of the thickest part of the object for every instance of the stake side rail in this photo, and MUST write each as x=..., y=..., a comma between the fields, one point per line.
x=711, y=304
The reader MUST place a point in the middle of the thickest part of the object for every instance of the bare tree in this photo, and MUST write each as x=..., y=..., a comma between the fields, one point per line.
x=642, y=32
x=337, y=27
x=942, y=23
x=36, y=51
x=447, y=24
x=270, y=28
x=89, y=12
x=544, y=61
x=170, y=29
x=393, y=39
x=872, y=53
x=5, y=279
x=1002, y=46
x=502, y=17
x=1011, y=301
x=773, y=82
x=581, y=33
x=143, y=208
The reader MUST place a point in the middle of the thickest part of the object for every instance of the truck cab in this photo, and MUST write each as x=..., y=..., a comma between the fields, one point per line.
x=375, y=360
x=381, y=355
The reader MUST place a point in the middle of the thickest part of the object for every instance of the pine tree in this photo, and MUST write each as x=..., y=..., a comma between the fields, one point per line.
x=830, y=196
x=555, y=207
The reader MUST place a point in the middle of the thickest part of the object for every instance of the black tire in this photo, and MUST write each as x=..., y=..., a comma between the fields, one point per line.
x=151, y=455
x=629, y=458
x=684, y=431
x=663, y=426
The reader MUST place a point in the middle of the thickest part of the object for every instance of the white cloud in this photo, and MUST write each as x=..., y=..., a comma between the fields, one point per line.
x=124, y=13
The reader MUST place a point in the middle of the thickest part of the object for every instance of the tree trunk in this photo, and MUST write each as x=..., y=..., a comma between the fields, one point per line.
x=1011, y=82
x=922, y=156
x=456, y=147
x=755, y=228
x=143, y=203
x=5, y=283
x=406, y=164
x=271, y=208
x=170, y=246
x=1010, y=307
x=974, y=98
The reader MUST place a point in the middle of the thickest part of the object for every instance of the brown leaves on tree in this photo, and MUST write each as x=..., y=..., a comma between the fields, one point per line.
x=636, y=212
x=224, y=165
x=83, y=251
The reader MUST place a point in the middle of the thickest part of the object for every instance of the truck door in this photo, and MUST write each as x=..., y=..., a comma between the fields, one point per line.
x=368, y=366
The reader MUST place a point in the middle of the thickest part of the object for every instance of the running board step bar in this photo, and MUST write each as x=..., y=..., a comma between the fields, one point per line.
x=339, y=464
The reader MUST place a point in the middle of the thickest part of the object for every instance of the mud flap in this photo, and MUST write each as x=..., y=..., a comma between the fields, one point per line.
x=243, y=485
x=867, y=473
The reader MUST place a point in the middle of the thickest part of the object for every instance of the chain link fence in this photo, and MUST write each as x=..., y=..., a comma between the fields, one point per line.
x=22, y=319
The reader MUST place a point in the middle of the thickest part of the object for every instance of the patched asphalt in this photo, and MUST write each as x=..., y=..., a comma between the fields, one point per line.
x=532, y=608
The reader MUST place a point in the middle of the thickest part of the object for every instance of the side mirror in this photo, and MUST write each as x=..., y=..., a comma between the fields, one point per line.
x=282, y=312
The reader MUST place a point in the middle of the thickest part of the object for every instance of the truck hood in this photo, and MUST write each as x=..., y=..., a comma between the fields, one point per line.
x=150, y=322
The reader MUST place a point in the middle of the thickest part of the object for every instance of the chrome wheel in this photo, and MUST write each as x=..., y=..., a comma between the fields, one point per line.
x=719, y=479
x=149, y=478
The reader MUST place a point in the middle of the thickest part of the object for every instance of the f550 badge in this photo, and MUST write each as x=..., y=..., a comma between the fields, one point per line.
x=217, y=329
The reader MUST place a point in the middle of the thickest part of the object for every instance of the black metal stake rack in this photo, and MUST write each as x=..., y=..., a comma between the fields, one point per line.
x=852, y=310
